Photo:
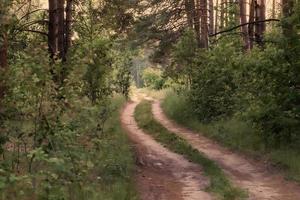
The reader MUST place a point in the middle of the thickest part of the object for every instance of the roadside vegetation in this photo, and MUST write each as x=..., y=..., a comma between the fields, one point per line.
x=234, y=133
x=220, y=185
x=59, y=103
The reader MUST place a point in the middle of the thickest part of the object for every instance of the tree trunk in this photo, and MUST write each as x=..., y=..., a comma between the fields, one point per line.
x=217, y=16
x=204, y=27
x=61, y=29
x=226, y=13
x=52, y=28
x=222, y=15
x=251, y=25
x=195, y=12
x=211, y=17
x=188, y=10
x=68, y=39
x=287, y=11
x=3, y=63
x=243, y=20
x=274, y=9
x=262, y=15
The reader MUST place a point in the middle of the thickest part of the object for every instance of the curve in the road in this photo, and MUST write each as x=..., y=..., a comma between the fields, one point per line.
x=162, y=174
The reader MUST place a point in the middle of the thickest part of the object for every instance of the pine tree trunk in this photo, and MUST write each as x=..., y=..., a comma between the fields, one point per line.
x=274, y=9
x=69, y=9
x=226, y=14
x=251, y=25
x=188, y=10
x=3, y=63
x=211, y=17
x=243, y=20
x=217, y=17
x=222, y=15
x=204, y=26
x=61, y=29
x=52, y=28
x=287, y=11
x=195, y=6
x=262, y=17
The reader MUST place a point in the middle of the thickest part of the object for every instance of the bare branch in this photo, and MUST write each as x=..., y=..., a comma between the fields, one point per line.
x=245, y=24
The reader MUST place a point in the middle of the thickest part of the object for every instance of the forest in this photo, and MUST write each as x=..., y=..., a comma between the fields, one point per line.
x=149, y=99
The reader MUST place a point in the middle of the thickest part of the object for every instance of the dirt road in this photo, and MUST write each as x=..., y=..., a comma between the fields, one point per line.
x=162, y=174
x=261, y=183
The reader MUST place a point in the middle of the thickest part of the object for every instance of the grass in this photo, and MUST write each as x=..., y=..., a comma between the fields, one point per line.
x=220, y=185
x=235, y=134
x=117, y=159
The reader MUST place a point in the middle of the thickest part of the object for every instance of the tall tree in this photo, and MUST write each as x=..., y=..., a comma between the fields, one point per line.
x=61, y=29
x=68, y=32
x=251, y=23
x=222, y=14
x=52, y=28
x=287, y=11
x=217, y=16
x=211, y=17
x=196, y=16
x=188, y=10
x=204, y=27
x=243, y=20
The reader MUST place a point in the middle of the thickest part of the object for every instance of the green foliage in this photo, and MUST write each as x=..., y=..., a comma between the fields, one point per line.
x=153, y=78
x=234, y=133
x=213, y=86
x=99, y=64
x=220, y=185
x=183, y=56
x=59, y=120
x=123, y=66
x=259, y=86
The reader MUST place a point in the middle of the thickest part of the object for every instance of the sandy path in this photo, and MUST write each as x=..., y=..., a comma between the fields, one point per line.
x=250, y=175
x=162, y=174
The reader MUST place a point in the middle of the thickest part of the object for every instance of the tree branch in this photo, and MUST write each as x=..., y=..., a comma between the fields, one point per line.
x=33, y=31
x=245, y=24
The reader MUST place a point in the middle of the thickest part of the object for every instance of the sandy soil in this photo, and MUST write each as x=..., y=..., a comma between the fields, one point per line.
x=255, y=177
x=162, y=174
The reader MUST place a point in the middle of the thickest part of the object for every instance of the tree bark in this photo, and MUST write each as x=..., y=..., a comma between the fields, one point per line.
x=243, y=20
x=188, y=10
x=61, y=29
x=287, y=11
x=3, y=63
x=68, y=39
x=273, y=9
x=52, y=28
x=251, y=25
x=211, y=17
x=222, y=15
x=217, y=17
x=204, y=27
x=196, y=16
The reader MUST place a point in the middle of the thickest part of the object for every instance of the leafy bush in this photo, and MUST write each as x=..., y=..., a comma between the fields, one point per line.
x=153, y=78
x=213, y=86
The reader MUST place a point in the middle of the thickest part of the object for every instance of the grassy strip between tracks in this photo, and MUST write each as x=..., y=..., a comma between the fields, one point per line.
x=220, y=185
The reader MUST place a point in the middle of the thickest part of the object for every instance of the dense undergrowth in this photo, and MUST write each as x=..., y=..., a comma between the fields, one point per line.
x=87, y=163
x=220, y=185
x=234, y=133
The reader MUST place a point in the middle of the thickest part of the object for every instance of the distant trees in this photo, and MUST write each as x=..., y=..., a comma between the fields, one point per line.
x=208, y=19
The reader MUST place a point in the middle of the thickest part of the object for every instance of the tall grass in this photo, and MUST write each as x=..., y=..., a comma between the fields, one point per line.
x=233, y=133
x=116, y=158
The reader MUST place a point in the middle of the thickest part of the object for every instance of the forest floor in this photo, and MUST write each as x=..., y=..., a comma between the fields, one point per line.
x=162, y=174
